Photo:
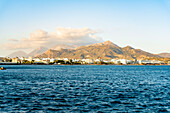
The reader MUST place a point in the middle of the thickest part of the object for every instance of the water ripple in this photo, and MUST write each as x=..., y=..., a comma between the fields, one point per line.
x=85, y=89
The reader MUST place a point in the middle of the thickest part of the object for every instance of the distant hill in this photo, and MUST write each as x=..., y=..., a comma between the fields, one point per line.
x=17, y=54
x=106, y=50
x=35, y=52
x=165, y=55
x=38, y=51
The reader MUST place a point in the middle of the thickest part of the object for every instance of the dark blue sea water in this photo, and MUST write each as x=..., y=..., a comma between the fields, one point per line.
x=84, y=88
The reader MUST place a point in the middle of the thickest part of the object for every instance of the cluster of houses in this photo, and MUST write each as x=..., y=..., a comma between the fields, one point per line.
x=30, y=60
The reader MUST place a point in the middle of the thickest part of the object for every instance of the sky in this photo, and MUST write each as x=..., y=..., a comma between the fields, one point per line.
x=28, y=24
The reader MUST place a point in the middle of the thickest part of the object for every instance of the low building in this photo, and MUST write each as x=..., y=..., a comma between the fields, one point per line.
x=15, y=60
x=106, y=61
x=115, y=61
x=46, y=61
x=89, y=61
x=22, y=59
x=98, y=61
x=130, y=62
x=83, y=61
x=52, y=60
x=144, y=62
x=37, y=60
x=29, y=59
x=76, y=61
x=168, y=62
x=155, y=62
x=123, y=61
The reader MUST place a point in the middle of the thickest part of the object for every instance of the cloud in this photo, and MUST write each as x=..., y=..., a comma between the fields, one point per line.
x=13, y=40
x=67, y=36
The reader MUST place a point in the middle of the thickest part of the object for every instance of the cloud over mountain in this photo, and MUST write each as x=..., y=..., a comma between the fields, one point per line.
x=68, y=36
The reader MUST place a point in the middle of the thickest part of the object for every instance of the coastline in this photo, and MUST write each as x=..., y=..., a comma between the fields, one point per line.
x=97, y=64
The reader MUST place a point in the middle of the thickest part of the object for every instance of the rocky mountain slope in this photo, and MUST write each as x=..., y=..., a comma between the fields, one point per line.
x=106, y=50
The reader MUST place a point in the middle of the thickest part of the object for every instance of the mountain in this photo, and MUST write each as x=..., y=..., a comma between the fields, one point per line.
x=38, y=51
x=106, y=50
x=18, y=54
x=62, y=46
x=165, y=55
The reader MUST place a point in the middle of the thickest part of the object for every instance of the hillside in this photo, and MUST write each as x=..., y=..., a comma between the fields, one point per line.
x=18, y=54
x=38, y=51
x=165, y=55
x=35, y=52
x=106, y=50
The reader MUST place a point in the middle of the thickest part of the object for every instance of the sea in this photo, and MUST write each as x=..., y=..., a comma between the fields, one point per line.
x=84, y=88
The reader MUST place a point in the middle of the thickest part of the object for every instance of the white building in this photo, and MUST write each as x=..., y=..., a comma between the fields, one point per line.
x=65, y=59
x=52, y=60
x=115, y=61
x=22, y=58
x=155, y=62
x=168, y=62
x=46, y=60
x=106, y=61
x=130, y=61
x=76, y=60
x=123, y=61
x=89, y=61
x=15, y=60
x=98, y=61
x=37, y=60
x=144, y=62
x=29, y=59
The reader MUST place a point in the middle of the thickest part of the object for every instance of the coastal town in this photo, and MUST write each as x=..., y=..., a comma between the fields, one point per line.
x=67, y=61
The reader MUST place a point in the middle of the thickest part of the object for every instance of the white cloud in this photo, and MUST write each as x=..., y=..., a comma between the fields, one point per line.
x=68, y=36
x=13, y=40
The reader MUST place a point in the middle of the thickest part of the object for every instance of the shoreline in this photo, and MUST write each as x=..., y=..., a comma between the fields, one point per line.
x=91, y=64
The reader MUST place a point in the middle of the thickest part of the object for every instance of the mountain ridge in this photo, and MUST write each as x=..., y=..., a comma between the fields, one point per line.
x=105, y=50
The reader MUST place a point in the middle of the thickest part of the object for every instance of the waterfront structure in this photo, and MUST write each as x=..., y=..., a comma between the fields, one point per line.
x=52, y=60
x=106, y=61
x=98, y=61
x=15, y=60
x=168, y=62
x=37, y=60
x=30, y=60
x=87, y=61
x=123, y=61
x=22, y=59
x=46, y=60
x=144, y=62
x=156, y=62
x=115, y=61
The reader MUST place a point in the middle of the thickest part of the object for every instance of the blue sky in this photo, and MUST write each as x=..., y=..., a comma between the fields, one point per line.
x=143, y=24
